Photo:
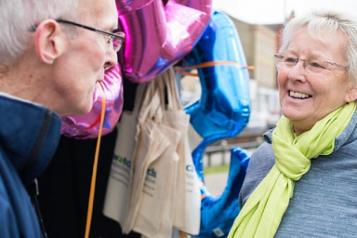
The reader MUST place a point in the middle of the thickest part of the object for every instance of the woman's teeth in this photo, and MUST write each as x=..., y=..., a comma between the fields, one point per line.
x=298, y=95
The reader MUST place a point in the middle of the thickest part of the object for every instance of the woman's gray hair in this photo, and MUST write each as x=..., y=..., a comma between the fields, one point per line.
x=18, y=16
x=319, y=22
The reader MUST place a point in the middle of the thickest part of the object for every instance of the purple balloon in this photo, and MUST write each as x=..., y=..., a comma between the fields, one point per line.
x=87, y=126
x=158, y=34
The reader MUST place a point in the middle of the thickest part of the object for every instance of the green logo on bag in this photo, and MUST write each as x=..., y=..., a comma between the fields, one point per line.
x=189, y=168
x=151, y=172
x=122, y=160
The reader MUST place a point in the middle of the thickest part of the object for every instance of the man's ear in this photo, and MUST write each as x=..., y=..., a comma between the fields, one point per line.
x=351, y=94
x=49, y=41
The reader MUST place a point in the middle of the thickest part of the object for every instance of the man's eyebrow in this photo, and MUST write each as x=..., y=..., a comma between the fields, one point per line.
x=116, y=30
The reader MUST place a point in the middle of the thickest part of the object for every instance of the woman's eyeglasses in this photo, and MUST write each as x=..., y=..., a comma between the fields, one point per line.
x=313, y=65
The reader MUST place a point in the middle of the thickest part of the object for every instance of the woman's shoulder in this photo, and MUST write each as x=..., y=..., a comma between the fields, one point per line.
x=260, y=163
x=263, y=157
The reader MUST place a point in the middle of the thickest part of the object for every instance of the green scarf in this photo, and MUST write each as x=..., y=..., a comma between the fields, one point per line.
x=263, y=211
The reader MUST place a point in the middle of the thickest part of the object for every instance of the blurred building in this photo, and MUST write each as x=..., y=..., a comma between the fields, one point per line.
x=260, y=43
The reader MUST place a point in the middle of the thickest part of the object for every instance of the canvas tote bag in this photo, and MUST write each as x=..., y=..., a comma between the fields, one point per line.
x=138, y=145
x=180, y=203
x=151, y=211
x=187, y=203
x=119, y=182
x=161, y=188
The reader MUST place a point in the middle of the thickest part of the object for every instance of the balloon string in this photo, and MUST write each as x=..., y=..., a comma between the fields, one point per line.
x=182, y=70
x=95, y=166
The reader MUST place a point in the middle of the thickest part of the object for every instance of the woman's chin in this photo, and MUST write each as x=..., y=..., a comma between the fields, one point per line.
x=294, y=114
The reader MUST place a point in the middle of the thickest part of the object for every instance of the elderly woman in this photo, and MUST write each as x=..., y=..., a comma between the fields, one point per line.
x=302, y=181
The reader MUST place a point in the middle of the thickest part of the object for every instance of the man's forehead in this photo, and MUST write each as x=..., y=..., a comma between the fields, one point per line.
x=103, y=12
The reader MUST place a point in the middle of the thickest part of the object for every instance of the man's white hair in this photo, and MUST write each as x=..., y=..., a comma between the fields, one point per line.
x=18, y=16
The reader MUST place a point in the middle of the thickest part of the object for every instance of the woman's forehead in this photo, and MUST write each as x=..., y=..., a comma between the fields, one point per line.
x=324, y=43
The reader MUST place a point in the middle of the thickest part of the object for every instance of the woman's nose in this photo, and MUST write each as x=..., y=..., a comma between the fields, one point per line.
x=298, y=71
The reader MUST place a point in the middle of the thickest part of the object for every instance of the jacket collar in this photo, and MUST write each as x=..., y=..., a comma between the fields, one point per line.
x=348, y=135
x=29, y=134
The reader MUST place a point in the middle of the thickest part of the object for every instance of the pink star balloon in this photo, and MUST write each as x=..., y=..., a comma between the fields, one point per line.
x=159, y=34
x=86, y=126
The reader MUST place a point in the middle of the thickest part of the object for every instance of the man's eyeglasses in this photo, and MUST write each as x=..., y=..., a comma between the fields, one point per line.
x=115, y=39
x=313, y=66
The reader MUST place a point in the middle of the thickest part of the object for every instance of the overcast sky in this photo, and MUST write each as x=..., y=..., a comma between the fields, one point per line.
x=274, y=11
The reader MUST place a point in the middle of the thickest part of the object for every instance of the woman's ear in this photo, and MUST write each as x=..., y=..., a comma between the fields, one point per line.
x=351, y=94
x=49, y=41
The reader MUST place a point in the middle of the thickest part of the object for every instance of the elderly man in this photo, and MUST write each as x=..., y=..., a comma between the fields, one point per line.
x=52, y=53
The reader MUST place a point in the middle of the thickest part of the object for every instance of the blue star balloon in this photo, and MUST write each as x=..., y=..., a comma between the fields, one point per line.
x=219, y=213
x=222, y=112
x=224, y=107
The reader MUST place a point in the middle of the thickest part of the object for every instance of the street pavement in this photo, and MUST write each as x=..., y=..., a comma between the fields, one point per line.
x=216, y=182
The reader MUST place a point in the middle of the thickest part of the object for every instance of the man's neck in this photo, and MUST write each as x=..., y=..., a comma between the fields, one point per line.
x=19, y=80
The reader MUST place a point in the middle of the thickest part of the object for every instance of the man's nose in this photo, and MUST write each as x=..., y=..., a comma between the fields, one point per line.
x=111, y=58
